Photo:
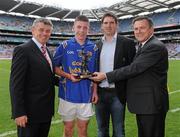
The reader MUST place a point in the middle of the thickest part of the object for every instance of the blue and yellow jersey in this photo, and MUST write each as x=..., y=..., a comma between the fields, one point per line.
x=69, y=57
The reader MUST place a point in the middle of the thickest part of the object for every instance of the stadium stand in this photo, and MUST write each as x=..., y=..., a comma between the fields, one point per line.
x=163, y=19
x=17, y=23
x=173, y=50
x=6, y=50
x=9, y=22
x=15, y=30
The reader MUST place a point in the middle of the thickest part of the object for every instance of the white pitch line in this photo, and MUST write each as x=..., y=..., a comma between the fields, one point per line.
x=14, y=131
x=174, y=110
x=174, y=92
x=8, y=133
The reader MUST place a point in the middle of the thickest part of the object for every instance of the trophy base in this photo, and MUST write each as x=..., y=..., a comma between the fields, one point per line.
x=85, y=76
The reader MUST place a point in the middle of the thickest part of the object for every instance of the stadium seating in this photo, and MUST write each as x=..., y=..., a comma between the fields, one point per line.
x=11, y=26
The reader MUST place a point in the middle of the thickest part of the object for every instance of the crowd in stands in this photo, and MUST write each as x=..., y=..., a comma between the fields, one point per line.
x=7, y=49
x=17, y=23
x=168, y=18
x=13, y=39
x=173, y=49
x=10, y=22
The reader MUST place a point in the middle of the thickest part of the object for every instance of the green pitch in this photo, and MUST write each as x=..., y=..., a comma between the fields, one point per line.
x=7, y=125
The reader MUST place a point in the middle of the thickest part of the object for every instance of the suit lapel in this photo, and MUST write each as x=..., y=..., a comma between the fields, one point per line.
x=99, y=45
x=37, y=51
x=118, y=55
x=145, y=46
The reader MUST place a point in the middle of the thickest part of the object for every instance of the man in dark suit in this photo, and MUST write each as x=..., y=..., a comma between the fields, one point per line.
x=116, y=51
x=32, y=83
x=147, y=94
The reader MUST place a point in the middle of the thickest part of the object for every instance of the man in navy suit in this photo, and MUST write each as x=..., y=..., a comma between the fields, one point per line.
x=32, y=83
x=147, y=94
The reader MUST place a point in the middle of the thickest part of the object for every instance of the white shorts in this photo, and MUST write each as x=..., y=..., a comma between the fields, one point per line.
x=70, y=111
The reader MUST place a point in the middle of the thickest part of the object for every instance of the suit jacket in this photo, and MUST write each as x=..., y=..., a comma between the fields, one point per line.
x=31, y=84
x=147, y=74
x=124, y=53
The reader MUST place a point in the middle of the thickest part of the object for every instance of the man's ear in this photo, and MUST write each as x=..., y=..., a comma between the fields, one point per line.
x=32, y=30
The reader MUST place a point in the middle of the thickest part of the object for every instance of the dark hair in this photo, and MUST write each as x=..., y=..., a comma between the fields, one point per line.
x=42, y=20
x=109, y=14
x=149, y=20
x=82, y=18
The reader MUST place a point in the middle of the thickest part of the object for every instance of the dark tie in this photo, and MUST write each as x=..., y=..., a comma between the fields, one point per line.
x=139, y=48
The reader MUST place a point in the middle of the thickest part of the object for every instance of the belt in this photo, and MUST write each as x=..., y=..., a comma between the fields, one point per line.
x=106, y=88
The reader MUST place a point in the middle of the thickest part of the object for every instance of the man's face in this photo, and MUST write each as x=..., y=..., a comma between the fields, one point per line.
x=109, y=26
x=81, y=30
x=41, y=32
x=142, y=30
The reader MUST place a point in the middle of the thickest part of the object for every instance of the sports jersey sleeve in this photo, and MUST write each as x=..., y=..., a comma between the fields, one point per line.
x=58, y=55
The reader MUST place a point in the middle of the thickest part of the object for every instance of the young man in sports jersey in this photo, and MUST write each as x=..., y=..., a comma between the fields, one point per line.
x=76, y=95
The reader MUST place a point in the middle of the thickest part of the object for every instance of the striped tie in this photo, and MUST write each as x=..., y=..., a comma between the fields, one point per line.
x=43, y=49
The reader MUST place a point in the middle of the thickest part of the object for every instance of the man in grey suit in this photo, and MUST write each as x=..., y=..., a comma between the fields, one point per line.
x=147, y=94
x=32, y=83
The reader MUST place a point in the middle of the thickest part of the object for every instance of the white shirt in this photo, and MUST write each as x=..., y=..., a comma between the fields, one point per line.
x=107, y=59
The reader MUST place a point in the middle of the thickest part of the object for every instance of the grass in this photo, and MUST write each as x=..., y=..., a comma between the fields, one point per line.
x=172, y=121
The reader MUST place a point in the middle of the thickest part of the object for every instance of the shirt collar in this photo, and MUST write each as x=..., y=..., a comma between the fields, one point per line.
x=114, y=37
x=37, y=43
x=143, y=43
x=75, y=41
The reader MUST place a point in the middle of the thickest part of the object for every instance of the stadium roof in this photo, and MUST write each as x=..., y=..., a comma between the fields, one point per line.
x=121, y=9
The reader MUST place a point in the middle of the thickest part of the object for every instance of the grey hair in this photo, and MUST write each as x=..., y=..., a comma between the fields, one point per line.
x=139, y=18
x=42, y=20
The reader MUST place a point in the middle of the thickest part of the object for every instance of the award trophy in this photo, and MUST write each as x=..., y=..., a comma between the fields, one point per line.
x=84, y=65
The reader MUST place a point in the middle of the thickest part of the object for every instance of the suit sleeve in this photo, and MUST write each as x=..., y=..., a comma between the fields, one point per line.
x=147, y=59
x=17, y=82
